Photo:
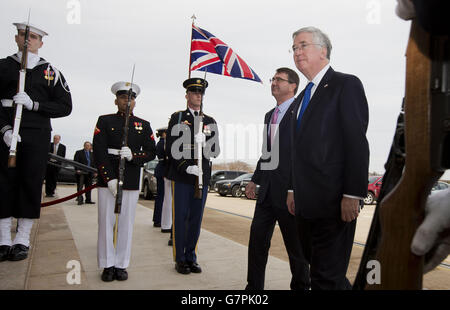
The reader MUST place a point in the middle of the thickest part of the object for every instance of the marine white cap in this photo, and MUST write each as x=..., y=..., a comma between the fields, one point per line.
x=33, y=28
x=124, y=87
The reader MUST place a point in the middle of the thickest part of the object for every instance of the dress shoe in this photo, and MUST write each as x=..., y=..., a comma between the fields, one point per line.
x=182, y=268
x=49, y=195
x=90, y=202
x=156, y=224
x=108, y=274
x=166, y=230
x=194, y=267
x=121, y=274
x=18, y=252
x=170, y=243
x=4, y=252
x=79, y=203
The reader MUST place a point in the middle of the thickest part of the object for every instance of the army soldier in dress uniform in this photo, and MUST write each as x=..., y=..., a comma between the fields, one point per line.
x=107, y=146
x=46, y=96
x=183, y=170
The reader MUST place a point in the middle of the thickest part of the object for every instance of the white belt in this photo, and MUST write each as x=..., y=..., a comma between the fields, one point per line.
x=113, y=151
x=7, y=103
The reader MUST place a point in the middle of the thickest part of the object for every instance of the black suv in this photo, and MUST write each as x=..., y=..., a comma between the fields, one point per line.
x=220, y=175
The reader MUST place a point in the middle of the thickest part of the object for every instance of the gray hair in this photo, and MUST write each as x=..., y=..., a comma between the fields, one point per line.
x=318, y=38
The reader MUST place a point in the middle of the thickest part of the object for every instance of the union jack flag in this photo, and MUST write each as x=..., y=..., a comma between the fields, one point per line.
x=208, y=53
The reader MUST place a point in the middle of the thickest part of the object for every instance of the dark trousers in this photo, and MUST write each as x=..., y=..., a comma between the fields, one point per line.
x=187, y=220
x=327, y=245
x=263, y=223
x=86, y=181
x=21, y=187
x=51, y=176
x=159, y=200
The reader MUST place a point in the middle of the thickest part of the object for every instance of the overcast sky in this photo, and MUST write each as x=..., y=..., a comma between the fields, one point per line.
x=95, y=44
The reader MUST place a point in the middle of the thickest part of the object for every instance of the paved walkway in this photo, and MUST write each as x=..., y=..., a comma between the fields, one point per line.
x=66, y=235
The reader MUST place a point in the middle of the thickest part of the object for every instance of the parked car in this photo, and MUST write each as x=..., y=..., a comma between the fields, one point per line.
x=149, y=180
x=221, y=175
x=439, y=186
x=244, y=184
x=231, y=187
x=373, y=189
x=67, y=174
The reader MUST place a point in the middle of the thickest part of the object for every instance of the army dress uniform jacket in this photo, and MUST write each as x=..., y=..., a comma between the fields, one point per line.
x=177, y=166
x=108, y=135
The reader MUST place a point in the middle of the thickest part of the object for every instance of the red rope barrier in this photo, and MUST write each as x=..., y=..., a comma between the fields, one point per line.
x=54, y=202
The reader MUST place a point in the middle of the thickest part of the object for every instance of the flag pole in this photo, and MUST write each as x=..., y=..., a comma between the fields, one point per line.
x=190, y=46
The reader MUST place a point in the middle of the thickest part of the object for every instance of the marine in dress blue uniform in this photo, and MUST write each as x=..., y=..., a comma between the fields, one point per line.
x=107, y=148
x=183, y=171
x=46, y=96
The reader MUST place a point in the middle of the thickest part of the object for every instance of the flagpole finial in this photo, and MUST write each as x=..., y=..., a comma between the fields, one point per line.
x=193, y=18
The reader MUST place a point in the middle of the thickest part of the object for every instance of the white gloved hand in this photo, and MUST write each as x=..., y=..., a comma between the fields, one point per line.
x=200, y=138
x=437, y=219
x=112, y=186
x=7, y=137
x=193, y=170
x=125, y=152
x=24, y=99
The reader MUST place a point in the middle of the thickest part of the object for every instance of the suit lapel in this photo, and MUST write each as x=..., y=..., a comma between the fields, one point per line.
x=315, y=101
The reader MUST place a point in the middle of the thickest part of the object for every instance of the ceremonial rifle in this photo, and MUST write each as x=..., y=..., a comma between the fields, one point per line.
x=410, y=175
x=198, y=190
x=118, y=204
x=19, y=107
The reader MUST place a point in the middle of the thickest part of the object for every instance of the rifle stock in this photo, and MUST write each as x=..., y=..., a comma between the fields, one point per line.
x=402, y=210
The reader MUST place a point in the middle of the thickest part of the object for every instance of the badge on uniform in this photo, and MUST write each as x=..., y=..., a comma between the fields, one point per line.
x=96, y=131
x=206, y=130
x=138, y=126
x=186, y=122
x=49, y=75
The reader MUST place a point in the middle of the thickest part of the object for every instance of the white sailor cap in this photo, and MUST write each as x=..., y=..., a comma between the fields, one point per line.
x=123, y=88
x=33, y=28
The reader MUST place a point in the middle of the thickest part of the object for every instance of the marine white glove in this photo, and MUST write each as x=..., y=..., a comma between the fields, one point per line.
x=23, y=99
x=437, y=220
x=200, y=138
x=193, y=170
x=112, y=186
x=125, y=152
x=7, y=137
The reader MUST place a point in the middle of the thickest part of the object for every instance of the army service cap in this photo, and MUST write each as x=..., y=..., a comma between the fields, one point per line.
x=195, y=85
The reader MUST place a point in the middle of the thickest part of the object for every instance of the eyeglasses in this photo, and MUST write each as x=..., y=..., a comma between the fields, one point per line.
x=278, y=80
x=302, y=46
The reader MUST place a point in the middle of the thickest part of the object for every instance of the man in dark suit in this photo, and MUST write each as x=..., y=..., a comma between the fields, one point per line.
x=330, y=159
x=84, y=157
x=273, y=174
x=52, y=171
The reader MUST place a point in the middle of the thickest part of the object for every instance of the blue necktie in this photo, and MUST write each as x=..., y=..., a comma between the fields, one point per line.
x=306, y=98
x=88, y=158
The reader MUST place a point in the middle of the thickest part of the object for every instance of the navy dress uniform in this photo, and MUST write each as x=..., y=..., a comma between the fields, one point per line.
x=46, y=96
x=188, y=211
x=107, y=148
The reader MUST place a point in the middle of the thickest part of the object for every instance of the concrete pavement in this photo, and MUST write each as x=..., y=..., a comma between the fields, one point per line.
x=66, y=235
